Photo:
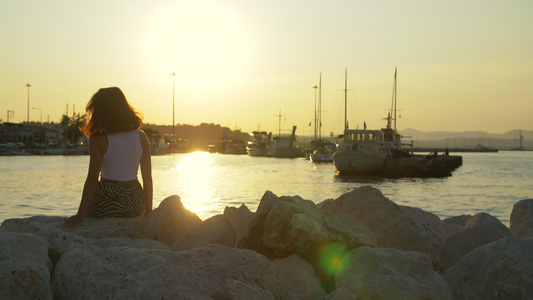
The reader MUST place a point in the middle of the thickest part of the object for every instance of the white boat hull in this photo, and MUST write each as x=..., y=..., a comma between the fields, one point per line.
x=355, y=162
x=321, y=157
x=257, y=151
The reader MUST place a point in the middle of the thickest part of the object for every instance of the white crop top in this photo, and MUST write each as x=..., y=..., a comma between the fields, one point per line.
x=123, y=155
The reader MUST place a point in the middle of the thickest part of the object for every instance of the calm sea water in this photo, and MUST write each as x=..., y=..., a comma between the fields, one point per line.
x=207, y=183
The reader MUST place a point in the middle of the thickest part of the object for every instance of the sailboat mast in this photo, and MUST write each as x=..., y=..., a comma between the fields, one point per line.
x=279, y=122
x=315, y=120
x=345, y=98
x=320, y=107
x=394, y=92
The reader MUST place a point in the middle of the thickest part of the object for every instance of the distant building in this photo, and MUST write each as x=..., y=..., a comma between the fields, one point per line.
x=29, y=134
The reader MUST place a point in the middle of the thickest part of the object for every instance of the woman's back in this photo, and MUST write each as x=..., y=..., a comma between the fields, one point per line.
x=121, y=160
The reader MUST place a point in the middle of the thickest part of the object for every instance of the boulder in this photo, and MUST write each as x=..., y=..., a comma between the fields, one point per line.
x=521, y=222
x=241, y=220
x=170, y=221
x=288, y=225
x=215, y=230
x=499, y=270
x=212, y=272
x=395, y=226
x=299, y=278
x=387, y=273
x=24, y=266
x=480, y=229
x=347, y=230
x=91, y=234
x=454, y=224
x=341, y=294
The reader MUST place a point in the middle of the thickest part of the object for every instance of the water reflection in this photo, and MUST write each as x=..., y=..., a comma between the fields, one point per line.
x=207, y=183
x=196, y=171
x=363, y=179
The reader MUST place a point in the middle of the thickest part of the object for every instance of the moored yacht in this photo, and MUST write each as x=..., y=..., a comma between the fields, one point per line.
x=380, y=152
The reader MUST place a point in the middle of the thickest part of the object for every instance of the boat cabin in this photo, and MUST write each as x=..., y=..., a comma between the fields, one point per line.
x=358, y=136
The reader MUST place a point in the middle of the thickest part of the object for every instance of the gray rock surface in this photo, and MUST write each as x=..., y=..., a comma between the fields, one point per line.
x=24, y=266
x=395, y=226
x=499, y=270
x=521, y=222
x=387, y=273
x=212, y=272
x=170, y=221
x=479, y=230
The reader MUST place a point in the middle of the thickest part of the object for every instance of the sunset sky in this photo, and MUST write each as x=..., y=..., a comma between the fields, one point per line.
x=462, y=65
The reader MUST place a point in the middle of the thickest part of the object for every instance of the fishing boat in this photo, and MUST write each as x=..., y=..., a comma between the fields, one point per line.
x=258, y=143
x=284, y=146
x=380, y=152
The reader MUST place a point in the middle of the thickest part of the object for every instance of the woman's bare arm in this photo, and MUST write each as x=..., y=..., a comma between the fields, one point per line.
x=146, y=173
x=97, y=148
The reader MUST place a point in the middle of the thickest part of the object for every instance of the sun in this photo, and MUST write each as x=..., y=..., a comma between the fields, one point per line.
x=199, y=46
x=199, y=43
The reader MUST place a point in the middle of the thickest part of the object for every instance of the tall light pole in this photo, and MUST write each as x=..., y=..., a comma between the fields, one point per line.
x=41, y=110
x=29, y=86
x=173, y=101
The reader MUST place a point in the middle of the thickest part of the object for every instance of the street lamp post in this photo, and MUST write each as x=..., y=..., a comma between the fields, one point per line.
x=173, y=101
x=41, y=110
x=29, y=86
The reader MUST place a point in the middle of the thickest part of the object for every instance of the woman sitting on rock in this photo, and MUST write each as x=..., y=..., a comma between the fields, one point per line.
x=117, y=147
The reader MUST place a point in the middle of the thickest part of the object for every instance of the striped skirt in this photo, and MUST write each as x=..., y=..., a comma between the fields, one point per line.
x=122, y=199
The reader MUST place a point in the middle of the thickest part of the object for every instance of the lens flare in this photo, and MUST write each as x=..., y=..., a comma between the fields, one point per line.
x=331, y=257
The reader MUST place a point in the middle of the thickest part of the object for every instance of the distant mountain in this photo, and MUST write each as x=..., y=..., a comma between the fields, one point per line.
x=474, y=134
x=468, y=139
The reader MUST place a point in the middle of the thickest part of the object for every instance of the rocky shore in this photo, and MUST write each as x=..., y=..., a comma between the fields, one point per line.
x=358, y=246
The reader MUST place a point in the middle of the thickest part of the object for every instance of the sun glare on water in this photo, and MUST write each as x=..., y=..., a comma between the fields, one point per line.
x=197, y=169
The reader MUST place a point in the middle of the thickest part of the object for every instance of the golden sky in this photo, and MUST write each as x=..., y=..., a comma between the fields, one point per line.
x=462, y=65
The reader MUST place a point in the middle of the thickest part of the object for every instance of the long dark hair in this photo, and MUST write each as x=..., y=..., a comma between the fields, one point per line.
x=109, y=112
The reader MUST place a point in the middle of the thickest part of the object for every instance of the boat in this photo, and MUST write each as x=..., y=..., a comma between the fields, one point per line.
x=477, y=149
x=258, y=143
x=284, y=146
x=158, y=145
x=323, y=152
x=380, y=152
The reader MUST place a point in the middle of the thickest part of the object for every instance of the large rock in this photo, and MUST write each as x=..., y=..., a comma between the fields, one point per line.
x=24, y=266
x=521, y=223
x=227, y=229
x=395, y=226
x=300, y=279
x=288, y=225
x=241, y=221
x=454, y=224
x=215, y=230
x=212, y=272
x=480, y=229
x=386, y=273
x=170, y=221
x=91, y=234
x=500, y=270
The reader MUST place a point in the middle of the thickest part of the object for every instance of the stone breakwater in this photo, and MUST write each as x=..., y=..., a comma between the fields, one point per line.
x=358, y=246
